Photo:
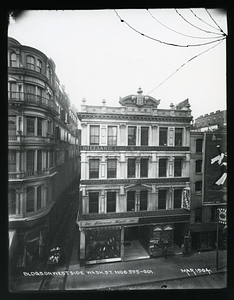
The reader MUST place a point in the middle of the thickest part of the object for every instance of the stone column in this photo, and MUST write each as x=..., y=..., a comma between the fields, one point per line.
x=155, y=135
x=19, y=202
x=169, y=199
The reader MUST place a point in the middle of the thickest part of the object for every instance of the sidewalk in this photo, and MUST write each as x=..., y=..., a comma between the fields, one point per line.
x=111, y=275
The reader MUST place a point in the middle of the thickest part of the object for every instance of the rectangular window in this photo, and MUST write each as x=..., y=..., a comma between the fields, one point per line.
x=177, y=167
x=131, y=135
x=39, y=66
x=39, y=160
x=162, y=194
x=199, y=146
x=39, y=197
x=162, y=167
x=30, y=199
x=198, y=187
x=94, y=168
x=213, y=214
x=144, y=136
x=39, y=126
x=111, y=202
x=30, y=161
x=30, y=125
x=93, y=202
x=131, y=201
x=112, y=135
x=198, y=166
x=12, y=126
x=111, y=168
x=12, y=161
x=177, y=198
x=131, y=167
x=94, y=135
x=144, y=167
x=178, y=136
x=143, y=200
x=198, y=215
x=30, y=62
x=163, y=136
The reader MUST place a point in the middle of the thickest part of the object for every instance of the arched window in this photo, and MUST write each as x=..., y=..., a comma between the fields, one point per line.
x=30, y=63
x=13, y=60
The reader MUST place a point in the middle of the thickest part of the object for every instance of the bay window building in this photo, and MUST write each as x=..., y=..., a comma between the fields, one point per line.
x=134, y=170
x=43, y=163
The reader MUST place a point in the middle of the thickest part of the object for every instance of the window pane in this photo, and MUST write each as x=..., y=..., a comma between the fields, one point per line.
x=199, y=146
x=93, y=202
x=162, y=167
x=144, y=136
x=112, y=135
x=162, y=136
x=30, y=62
x=198, y=166
x=94, y=168
x=144, y=167
x=30, y=126
x=162, y=199
x=178, y=136
x=30, y=199
x=11, y=125
x=111, y=168
x=39, y=160
x=39, y=126
x=111, y=201
x=131, y=167
x=131, y=135
x=178, y=167
x=13, y=62
x=11, y=201
x=11, y=160
x=131, y=201
x=30, y=161
x=177, y=198
x=143, y=200
x=94, y=135
x=198, y=186
x=39, y=197
x=39, y=65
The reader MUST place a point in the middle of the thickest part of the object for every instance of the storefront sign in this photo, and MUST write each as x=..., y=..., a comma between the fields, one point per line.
x=108, y=222
x=132, y=148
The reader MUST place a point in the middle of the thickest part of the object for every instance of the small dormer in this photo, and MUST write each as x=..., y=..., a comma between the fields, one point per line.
x=139, y=100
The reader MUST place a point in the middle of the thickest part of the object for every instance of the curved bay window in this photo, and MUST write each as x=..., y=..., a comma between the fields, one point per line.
x=39, y=66
x=30, y=125
x=29, y=199
x=11, y=202
x=30, y=62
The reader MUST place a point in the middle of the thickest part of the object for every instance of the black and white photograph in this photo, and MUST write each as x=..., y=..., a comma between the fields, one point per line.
x=117, y=149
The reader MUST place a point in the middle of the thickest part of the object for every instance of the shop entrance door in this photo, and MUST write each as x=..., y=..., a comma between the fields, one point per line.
x=133, y=248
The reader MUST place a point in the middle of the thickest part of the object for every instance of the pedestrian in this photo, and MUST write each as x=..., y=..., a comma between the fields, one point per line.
x=183, y=249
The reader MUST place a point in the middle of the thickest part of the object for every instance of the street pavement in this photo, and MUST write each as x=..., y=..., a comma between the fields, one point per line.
x=153, y=270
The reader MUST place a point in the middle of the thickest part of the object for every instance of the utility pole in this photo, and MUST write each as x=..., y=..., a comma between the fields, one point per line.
x=217, y=240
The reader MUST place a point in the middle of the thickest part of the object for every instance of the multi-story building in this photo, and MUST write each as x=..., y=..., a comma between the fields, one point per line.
x=208, y=185
x=43, y=152
x=213, y=121
x=134, y=172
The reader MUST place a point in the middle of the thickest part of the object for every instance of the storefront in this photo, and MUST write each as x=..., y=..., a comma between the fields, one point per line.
x=105, y=240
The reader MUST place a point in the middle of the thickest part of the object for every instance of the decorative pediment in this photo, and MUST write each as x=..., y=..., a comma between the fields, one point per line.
x=139, y=100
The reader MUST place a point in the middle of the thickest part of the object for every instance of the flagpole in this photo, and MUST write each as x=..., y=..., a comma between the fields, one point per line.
x=217, y=240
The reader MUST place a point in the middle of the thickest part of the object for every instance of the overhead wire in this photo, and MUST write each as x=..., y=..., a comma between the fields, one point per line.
x=163, y=42
x=193, y=24
x=195, y=37
x=185, y=64
x=203, y=20
x=215, y=22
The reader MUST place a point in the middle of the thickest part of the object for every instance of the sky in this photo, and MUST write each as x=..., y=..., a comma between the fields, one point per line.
x=99, y=57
